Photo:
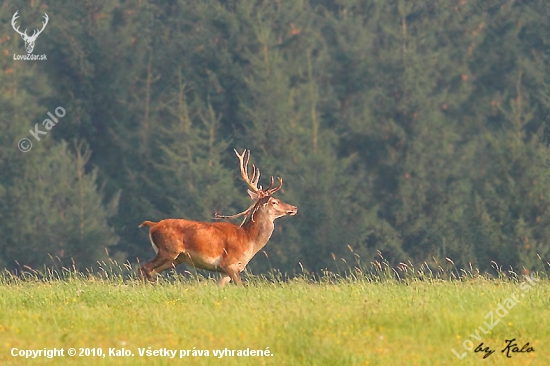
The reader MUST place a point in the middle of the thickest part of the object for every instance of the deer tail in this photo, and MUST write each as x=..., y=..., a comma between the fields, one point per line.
x=147, y=223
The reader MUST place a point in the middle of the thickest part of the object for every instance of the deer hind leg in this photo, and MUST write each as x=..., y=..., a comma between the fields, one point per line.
x=233, y=272
x=146, y=271
x=161, y=262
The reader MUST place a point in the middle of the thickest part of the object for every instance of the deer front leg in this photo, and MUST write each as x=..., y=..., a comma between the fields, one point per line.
x=232, y=271
x=224, y=280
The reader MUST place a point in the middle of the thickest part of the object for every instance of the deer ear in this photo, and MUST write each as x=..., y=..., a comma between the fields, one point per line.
x=253, y=195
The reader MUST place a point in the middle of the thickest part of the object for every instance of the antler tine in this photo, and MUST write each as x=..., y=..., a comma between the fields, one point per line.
x=242, y=165
x=273, y=190
x=270, y=184
x=255, y=175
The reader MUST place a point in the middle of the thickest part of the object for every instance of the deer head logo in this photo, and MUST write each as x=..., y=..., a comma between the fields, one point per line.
x=29, y=41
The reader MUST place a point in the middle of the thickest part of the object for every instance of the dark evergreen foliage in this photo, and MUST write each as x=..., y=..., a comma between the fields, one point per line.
x=414, y=128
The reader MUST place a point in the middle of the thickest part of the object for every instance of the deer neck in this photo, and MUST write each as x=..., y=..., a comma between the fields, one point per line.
x=259, y=230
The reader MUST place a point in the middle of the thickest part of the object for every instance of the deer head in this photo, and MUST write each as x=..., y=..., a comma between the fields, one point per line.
x=29, y=40
x=261, y=197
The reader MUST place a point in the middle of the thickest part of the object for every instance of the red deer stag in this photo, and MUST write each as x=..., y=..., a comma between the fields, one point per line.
x=218, y=246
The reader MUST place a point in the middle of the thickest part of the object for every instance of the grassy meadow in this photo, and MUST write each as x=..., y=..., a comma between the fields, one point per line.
x=401, y=316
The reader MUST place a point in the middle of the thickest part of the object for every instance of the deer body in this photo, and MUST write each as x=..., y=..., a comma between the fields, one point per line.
x=217, y=246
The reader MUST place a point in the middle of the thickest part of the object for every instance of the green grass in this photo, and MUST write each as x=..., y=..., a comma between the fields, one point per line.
x=370, y=319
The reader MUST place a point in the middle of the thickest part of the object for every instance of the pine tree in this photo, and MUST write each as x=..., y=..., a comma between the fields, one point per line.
x=57, y=211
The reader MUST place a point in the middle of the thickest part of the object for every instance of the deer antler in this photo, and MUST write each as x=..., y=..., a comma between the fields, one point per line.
x=257, y=192
x=244, y=213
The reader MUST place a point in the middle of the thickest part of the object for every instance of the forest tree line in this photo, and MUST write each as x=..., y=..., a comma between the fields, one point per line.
x=413, y=128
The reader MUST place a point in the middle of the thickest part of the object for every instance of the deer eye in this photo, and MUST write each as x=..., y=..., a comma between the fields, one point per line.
x=274, y=202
